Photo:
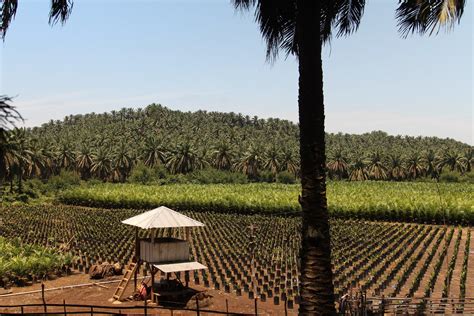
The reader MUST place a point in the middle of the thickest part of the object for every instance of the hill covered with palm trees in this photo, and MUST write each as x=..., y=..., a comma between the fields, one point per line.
x=108, y=146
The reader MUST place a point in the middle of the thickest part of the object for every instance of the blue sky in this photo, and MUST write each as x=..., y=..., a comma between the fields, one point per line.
x=191, y=55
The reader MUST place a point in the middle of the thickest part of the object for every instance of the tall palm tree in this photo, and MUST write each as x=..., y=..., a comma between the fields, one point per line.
x=337, y=164
x=375, y=167
x=429, y=159
x=272, y=160
x=289, y=161
x=294, y=26
x=122, y=163
x=65, y=156
x=84, y=158
x=358, y=170
x=250, y=163
x=8, y=158
x=452, y=160
x=222, y=156
x=154, y=152
x=415, y=167
x=101, y=164
x=184, y=159
x=397, y=170
x=468, y=159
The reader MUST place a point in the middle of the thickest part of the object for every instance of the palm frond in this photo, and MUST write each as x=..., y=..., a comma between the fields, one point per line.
x=415, y=16
x=349, y=16
x=8, y=113
x=60, y=11
x=277, y=20
x=7, y=15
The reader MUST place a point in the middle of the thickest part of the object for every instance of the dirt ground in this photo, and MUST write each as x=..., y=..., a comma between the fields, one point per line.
x=101, y=295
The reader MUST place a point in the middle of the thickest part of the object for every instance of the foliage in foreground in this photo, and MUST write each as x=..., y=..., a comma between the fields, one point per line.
x=401, y=201
x=21, y=262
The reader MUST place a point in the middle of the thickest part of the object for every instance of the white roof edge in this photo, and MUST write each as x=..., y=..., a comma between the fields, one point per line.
x=180, y=266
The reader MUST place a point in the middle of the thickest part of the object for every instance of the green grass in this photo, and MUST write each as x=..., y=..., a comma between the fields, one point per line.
x=403, y=201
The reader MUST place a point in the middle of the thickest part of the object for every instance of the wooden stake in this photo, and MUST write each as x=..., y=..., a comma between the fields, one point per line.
x=42, y=297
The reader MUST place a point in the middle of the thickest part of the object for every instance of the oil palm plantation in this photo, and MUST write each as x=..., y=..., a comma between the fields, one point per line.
x=301, y=27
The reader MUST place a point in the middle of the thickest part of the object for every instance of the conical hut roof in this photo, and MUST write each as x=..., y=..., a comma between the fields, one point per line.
x=162, y=217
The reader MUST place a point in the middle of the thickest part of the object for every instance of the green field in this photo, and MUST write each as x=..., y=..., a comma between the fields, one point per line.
x=396, y=201
x=393, y=259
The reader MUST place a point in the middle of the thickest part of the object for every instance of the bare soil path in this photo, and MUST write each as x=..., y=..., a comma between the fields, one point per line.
x=100, y=295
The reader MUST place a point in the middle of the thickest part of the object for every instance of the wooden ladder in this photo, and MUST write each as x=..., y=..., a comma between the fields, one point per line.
x=124, y=282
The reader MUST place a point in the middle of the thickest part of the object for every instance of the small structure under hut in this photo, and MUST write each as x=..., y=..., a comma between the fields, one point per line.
x=165, y=254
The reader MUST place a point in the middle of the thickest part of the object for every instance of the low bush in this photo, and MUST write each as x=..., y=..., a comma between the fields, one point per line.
x=208, y=176
x=285, y=178
x=65, y=180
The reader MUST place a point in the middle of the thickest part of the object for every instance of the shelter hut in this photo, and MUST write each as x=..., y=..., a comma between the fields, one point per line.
x=166, y=254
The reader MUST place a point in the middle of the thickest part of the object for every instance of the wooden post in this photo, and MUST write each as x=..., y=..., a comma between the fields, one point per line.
x=227, y=307
x=21, y=308
x=152, y=269
x=92, y=311
x=64, y=307
x=137, y=258
x=286, y=308
x=42, y=297
x=145, y=307
x=197, y=306
x=256, y=309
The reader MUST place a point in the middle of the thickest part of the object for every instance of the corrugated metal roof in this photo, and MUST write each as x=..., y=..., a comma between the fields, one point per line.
x=182, y=266
x=162, y=217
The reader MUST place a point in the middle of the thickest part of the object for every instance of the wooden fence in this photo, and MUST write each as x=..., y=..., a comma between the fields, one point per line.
x=406, y=306
x=76, y=309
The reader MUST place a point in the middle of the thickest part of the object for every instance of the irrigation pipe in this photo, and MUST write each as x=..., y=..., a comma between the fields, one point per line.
x=64, y=287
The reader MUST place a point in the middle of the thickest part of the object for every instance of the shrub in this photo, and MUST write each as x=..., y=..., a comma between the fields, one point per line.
x=142, y=174
x=449, y=176
x=285, y=177
x=266, y=176
x=467, y=177
x=208, y=176
x=64, y=180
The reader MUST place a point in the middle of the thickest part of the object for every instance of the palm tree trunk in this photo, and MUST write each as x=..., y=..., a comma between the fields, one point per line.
x=317, y=290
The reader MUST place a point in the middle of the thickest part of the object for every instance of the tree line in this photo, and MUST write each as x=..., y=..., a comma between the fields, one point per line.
x=108, y=146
